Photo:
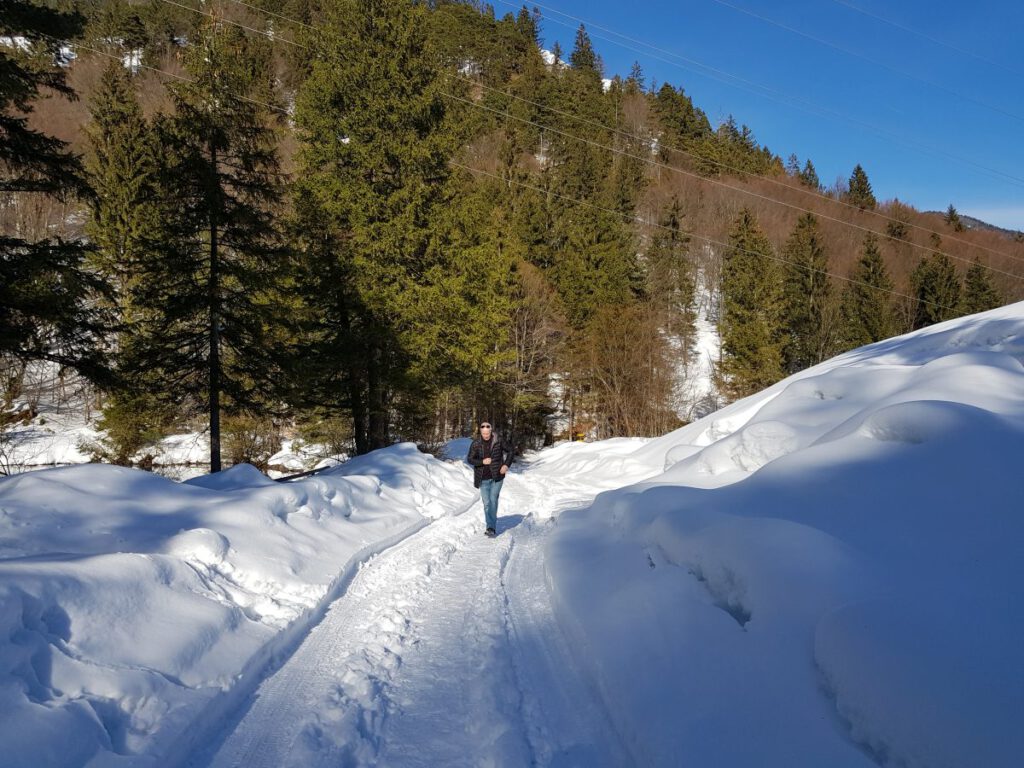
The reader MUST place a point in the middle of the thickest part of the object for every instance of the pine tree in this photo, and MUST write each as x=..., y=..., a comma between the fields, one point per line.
x=793, y=165
x=752, y=307
x=898, y=227
x=809, y=176
x=584, y=58
x=670, y=278
x=47, y=296
x=123, y=167
x=125, y=225
x=859, y=192
x=979, y=294
x=376, y=140
x=211, y=287
x=953, y=219
x=808, y=317
x=937, y=288
x=867, y=299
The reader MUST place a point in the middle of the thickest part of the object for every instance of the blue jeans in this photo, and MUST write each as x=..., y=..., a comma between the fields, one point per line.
x=489, y=492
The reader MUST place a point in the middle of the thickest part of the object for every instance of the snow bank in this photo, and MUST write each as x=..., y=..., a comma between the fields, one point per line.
x=826, y=573
x=130, y=605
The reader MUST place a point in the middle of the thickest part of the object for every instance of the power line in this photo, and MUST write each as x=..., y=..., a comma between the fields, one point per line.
x=774, y=94
x=165, y=73
x=716, y=182
x=929, y=38
x=862, y=57
x=801, y=189
x=694, y=235
x=704, y=238
x=215, y=17
x=684, y=172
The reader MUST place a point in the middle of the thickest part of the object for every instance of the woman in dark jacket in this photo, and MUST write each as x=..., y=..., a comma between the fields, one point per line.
x=490, y=458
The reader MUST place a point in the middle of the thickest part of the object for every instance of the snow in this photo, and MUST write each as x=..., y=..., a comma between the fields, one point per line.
x=831, y=567
x=826, y=573
x=130, y=603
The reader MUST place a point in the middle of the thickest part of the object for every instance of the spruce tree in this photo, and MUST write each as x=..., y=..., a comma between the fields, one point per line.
x=979, y=294
x=809, y=331
x=868, y=309
x=584, y=58
x=937, y=288
x=809, y=176
x=859, y=192
x=123, y=171
x=48, y=297
x=210, y=288
x=376, y=138
x=125, y=226
x=952, y=218
x=670, y=278
x=752, y=307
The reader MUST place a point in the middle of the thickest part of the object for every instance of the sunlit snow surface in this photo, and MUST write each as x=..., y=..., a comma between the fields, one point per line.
x=828, y=573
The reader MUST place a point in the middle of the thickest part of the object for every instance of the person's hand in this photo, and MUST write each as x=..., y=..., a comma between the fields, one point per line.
x=487, y=461
x=504, y=469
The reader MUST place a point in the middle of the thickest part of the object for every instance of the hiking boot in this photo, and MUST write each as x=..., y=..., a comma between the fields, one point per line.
x=490, y=532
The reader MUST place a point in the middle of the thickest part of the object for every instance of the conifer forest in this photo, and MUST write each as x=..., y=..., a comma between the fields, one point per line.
x=370, y=221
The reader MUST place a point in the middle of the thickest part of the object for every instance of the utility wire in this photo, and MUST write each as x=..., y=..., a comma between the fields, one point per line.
x=684, y=172
x=802, y=189
x=214, y=16
x=774, y=94
x=868, y=59
x=657, y=164
x=929, y=38
x=704, y=238
x=165, y=73
x=678, y=231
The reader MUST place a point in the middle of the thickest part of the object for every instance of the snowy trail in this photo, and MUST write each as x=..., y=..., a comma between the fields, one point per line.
x=442, y=651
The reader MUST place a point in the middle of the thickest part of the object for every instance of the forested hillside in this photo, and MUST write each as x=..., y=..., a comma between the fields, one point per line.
x=361, y=221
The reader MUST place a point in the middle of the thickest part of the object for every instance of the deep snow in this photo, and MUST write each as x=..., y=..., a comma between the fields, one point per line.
x=826, y=573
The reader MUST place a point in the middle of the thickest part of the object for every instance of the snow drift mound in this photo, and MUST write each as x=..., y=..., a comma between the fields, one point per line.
x=129, y=602
x=826, y=573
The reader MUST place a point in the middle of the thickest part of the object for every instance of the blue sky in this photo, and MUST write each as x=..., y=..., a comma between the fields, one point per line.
x=933, y=123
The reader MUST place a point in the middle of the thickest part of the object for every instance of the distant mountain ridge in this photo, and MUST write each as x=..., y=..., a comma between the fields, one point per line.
x=972, y=223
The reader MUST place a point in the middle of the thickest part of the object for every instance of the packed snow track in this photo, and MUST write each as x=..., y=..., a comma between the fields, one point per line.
x=443, y=650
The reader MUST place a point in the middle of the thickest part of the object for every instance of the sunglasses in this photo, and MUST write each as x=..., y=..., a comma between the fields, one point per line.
x=485, y=426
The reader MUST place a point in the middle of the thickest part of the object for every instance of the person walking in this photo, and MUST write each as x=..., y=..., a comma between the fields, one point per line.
x=490, y=458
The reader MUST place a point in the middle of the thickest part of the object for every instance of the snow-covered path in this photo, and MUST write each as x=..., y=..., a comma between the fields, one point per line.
x=442, y=651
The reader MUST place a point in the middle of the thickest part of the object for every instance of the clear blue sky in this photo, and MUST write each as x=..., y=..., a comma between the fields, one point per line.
x=971, y=107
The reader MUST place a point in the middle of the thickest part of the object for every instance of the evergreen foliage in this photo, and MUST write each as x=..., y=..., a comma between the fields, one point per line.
x=809, y=176
x=753, y=304
x=937, y=288
x=809, y=315
x=953, y=219
x=125, y=226
x=868, y=311
x=47, y=295
x=979, y=294
x=859, y=192
x=209, y=288
x=376, y=140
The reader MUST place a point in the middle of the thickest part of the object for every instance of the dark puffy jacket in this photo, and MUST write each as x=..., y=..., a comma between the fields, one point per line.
x=500, y=454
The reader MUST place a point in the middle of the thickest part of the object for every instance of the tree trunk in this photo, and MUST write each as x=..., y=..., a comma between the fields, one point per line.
x=377, y=401
x=213, y=296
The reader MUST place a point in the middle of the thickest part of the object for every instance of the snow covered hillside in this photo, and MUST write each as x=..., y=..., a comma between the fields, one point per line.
x=827, y=573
